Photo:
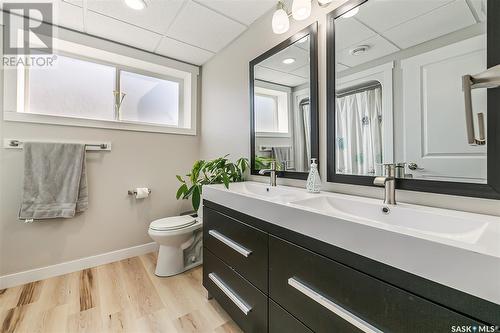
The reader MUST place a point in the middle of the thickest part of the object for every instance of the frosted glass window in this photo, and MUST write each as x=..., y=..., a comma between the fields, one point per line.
x=72, y=88
x=266, y=113
x=149, y=99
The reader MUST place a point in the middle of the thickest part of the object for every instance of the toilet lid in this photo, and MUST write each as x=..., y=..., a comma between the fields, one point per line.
x=172, y=223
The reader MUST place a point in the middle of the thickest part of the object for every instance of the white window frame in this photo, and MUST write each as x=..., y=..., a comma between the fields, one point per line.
x=282, y=95
x=80, y=46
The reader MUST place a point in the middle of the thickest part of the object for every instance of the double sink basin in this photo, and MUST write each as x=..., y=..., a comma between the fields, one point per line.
x=455, y=248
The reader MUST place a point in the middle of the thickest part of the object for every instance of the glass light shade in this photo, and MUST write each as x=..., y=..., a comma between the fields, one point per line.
x=351, y=13
x=301, y=9
x=281, y=23
x=324, y=2
x=136, y=4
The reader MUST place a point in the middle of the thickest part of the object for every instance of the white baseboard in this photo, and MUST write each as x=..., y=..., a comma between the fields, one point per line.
x=42, y=273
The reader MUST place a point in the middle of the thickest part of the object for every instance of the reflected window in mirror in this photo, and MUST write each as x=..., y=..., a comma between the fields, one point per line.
x=396, y=90
x=284, y=126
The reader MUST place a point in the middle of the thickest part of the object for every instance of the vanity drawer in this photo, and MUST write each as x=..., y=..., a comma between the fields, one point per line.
x=281, y=321
x=240, y=246
x=246, y=305
x=328, y=296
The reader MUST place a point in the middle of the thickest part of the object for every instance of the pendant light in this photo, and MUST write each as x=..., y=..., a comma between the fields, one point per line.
x=301, y=9
x=280, y=22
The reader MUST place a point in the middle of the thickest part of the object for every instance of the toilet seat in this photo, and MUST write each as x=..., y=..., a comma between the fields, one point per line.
x=172, y=223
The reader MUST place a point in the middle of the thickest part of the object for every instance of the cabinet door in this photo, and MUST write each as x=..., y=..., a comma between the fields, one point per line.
x=246, y=305
x=240, y=246
x=330, y=297
x=281, y=321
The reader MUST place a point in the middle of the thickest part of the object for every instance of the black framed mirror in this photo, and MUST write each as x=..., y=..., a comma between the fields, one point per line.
x=284, y=106
x=398, y=77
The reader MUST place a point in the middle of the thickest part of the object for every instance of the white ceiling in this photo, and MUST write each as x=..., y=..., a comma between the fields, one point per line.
x=188, y=30
x=297, y=73
x=389, y=26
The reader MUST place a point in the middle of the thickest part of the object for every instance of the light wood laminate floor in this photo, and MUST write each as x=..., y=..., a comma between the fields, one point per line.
x=124, y=296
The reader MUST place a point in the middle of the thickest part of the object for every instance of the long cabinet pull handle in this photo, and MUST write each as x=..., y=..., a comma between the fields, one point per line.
x=229, y=242
x=333, y=307
x=242, y=305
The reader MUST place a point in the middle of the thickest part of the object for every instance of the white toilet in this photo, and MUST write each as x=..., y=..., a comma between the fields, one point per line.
x=174, y=235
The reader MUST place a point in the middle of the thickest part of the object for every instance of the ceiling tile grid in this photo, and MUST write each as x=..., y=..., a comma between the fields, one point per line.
x=188, y=30
x=404, y=24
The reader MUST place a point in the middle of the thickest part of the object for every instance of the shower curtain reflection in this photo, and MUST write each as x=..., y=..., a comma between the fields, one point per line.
x=359, y=132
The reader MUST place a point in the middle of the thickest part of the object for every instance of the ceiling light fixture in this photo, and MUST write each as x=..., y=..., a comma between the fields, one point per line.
x=288, y=61
x=136, y=4
x=301, y=10
x=280, y=23
x=351, y=13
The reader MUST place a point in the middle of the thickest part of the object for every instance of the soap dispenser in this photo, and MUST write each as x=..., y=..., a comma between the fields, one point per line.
x=313, y=180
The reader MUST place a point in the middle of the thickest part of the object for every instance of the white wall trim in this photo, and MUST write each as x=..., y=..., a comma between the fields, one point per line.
x=41, y=273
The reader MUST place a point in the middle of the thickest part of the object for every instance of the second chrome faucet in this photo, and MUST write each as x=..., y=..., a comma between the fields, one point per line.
x=389, y=183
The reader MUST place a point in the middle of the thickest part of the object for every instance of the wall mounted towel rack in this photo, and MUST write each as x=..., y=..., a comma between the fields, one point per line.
x=89, y=146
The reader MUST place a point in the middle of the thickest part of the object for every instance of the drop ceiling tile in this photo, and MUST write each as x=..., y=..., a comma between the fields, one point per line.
x=439, y=22
x=480, y=7
x=245, y=12
x=300, y=55
x=303, y=71
x=349, y=31
x=270, y=75
x=157, y=16
x=182, y=51
x=118, y=31
x=68, y=15
x=200, y=26
x=379, y=47
x=382, y=15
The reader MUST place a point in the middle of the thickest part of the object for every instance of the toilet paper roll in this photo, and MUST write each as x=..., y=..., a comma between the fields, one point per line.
x=141, y=192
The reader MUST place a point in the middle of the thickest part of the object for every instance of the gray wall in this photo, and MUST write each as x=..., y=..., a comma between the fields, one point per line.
x=225, y=109
x=113, y=221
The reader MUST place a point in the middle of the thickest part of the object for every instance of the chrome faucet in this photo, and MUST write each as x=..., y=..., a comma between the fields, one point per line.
x=272, y=173
x=389, y=182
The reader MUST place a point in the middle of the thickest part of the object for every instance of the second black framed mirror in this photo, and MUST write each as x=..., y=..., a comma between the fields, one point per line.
x=284, y=106
x=399, y=93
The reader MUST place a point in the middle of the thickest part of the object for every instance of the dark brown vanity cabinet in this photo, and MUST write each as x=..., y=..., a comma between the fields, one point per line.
x=270, y=280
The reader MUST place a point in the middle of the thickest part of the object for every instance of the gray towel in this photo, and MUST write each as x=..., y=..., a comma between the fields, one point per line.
x=55, y=181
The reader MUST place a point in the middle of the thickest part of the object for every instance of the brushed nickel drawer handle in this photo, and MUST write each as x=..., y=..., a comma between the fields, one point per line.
x=229, y=242
x=333, y=307
x=244, y=307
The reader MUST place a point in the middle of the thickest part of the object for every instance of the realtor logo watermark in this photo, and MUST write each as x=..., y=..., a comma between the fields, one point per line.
x=28, y=41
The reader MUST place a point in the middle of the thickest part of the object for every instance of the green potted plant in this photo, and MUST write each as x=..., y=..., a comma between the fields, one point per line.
x=218, y=171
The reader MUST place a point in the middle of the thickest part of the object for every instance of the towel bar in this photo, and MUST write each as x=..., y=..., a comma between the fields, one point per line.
x=105, y=146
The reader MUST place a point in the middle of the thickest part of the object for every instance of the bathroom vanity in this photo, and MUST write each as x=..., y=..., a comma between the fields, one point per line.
x=279, y=259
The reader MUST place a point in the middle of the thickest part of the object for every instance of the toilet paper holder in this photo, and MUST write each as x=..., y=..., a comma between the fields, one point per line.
x=134, y=192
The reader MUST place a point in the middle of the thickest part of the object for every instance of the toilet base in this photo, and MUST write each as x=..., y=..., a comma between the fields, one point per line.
x=171, y=261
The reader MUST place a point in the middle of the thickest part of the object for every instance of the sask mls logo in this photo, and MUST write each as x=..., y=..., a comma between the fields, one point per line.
x=25, y=36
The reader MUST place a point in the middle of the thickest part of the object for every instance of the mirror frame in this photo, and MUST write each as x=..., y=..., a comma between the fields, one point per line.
x=312, y=31
x=490, y=190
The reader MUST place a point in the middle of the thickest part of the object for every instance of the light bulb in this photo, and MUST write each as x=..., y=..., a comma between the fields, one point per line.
x=281, y=23
x=324, y=3
x=301, y=9
x=136, y=4
x=351, y=13
x=288, y=61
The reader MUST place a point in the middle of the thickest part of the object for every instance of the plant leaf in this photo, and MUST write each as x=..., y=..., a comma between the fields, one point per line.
x=181, y=191
x=179, y=178
x=195, y=200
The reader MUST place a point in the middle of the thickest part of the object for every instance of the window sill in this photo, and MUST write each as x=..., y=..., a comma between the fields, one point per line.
x=104, y=124
x=272, y=135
